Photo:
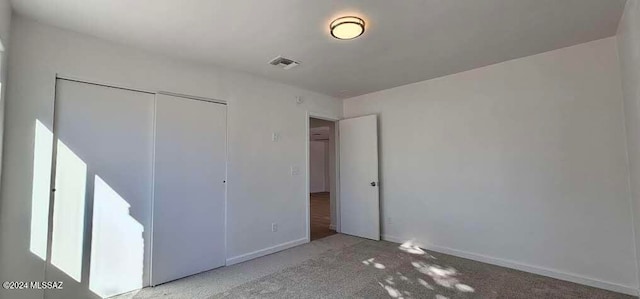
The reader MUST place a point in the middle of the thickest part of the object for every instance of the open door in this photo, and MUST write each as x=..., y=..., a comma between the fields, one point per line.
x=359, y=194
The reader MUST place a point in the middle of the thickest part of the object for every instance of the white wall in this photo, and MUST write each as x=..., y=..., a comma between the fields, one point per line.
x=521, y=163
x=5, y=19
x=5, y=28
x=628, y=39
x=257, y=108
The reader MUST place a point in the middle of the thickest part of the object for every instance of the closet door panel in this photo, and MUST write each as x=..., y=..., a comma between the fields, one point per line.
x=99, y=241
x=189, y=188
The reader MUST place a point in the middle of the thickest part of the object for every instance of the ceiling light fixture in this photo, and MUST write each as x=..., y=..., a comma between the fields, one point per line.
x=347, y=27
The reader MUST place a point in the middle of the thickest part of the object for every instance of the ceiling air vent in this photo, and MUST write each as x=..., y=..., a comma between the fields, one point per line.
x=284, y=63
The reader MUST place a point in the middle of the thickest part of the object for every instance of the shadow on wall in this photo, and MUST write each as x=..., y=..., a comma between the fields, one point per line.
x=115, y=245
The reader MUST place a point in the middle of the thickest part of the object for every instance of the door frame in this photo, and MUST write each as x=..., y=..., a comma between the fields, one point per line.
x=333, y=176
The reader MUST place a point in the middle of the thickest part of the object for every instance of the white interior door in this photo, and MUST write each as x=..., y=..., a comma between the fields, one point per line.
x=359, y=194
x=189, y=188
x=100, y=228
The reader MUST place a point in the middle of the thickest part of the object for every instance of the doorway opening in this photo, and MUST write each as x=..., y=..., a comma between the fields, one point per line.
x=322, y=178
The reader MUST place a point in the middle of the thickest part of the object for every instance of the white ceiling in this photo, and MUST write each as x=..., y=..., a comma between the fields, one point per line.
x=405, y=41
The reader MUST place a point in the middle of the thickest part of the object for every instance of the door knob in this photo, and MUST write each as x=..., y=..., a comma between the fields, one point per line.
x=373, y=184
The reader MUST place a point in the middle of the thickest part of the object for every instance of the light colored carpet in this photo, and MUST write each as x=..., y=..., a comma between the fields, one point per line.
x=340, y=266
x=219, y=280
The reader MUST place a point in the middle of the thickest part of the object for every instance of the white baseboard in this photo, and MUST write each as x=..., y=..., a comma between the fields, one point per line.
x=393, y=239
x=527, y=268
x=262, y=252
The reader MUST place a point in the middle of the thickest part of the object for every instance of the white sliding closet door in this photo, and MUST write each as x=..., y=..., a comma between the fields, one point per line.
x=189, y=189
x=100, y=229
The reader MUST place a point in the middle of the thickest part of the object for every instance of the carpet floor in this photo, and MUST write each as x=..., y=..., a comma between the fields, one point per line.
x=341, y=266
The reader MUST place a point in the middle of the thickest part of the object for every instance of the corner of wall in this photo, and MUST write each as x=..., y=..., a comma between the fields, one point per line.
x=628, y=51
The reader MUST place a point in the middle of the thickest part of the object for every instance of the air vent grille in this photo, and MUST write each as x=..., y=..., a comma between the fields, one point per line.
x=284, y=63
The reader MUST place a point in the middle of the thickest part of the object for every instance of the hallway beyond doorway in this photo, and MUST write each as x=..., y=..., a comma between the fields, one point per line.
x=320, y=216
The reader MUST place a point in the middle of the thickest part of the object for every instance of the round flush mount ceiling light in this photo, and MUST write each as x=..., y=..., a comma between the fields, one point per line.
x=347, y=27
